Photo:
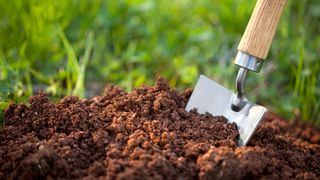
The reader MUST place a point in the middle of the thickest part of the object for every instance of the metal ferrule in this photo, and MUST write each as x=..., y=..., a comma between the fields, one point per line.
x=247, y=61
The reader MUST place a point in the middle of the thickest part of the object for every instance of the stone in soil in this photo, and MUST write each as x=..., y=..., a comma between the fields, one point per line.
x=147, y=133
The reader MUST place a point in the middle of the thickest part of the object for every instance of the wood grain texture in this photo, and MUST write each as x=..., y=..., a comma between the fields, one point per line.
x=261, y=28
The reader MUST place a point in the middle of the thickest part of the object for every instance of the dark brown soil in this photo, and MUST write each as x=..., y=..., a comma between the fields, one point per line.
x=146, y=134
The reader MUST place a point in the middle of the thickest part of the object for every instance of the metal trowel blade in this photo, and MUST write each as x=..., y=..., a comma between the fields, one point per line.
x=209, y=96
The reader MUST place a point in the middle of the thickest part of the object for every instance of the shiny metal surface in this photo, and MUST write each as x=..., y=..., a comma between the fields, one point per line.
x=209, y=96
x=247, y=61
x=240, y=99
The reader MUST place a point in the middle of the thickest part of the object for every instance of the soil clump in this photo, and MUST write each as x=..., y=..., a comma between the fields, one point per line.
x=147, y=134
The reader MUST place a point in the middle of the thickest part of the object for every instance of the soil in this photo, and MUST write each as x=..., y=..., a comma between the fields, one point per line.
x=147, y=134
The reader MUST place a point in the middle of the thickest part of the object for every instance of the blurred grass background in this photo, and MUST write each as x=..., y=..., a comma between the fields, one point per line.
x=76, y=47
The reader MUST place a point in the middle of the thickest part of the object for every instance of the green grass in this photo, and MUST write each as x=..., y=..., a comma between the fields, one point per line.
x=68, y=47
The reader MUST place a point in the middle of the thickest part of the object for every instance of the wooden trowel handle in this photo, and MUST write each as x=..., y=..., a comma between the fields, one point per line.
x=260, y=30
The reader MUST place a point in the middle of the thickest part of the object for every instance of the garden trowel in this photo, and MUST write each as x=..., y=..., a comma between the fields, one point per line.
x=209, y=96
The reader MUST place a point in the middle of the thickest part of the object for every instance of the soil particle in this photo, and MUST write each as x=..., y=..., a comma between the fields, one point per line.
x=147, y=134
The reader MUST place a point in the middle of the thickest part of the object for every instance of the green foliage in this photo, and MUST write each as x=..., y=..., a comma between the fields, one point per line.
x=67, y=47
x=2, y=106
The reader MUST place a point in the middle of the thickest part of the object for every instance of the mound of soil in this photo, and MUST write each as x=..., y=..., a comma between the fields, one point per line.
x=147, y=134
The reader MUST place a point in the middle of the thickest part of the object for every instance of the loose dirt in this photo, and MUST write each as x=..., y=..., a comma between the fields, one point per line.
x=146, y=134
